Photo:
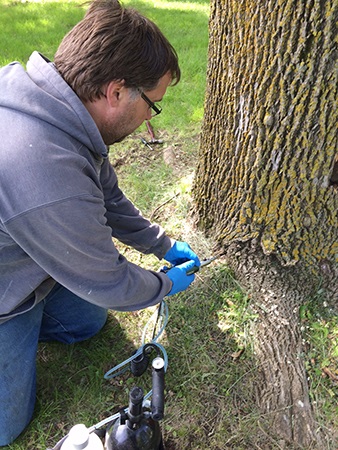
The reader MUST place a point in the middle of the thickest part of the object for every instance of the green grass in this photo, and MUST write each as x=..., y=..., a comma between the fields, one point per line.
x=211, y=377
x=29, y=26
x=320, y=332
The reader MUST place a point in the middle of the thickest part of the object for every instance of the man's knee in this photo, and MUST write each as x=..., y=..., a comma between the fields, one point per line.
x=85, y=328
x=82, y=326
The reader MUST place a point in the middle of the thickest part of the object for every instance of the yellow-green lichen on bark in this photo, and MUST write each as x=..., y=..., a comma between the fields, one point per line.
x=269, y=137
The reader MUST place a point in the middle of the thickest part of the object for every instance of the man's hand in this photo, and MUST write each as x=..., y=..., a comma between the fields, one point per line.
x=181, y=252
x=179, y=278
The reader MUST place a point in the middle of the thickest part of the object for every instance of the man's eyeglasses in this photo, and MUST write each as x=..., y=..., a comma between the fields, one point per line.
x=156, y=108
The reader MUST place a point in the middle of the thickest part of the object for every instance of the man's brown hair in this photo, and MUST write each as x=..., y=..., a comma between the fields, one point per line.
x=114, y=43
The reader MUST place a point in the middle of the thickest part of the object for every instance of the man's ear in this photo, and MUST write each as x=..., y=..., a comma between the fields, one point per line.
x=114, y=91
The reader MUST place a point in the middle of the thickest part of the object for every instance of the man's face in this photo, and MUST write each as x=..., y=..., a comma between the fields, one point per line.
x=131, y=111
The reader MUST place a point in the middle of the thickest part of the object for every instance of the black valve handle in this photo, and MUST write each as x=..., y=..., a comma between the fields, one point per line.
x=157, y=402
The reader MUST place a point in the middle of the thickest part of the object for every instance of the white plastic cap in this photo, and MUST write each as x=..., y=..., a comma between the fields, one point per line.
x=80, y=439
x=77, y=439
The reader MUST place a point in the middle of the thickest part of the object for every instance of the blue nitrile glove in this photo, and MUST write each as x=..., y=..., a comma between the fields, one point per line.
x=181, y=252
x=180, y=280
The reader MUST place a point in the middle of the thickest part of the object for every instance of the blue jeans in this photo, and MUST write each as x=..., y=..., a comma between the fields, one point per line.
x=62, y=316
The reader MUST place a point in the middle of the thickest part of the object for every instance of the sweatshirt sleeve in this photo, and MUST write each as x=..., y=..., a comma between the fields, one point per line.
x=71, y=242
x=127, y=223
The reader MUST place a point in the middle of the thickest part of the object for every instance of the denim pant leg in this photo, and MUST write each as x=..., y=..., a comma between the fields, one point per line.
x=62, y=316
x=68, y=318
x=18, y=346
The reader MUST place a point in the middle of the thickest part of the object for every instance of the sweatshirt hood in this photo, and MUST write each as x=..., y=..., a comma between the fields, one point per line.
x=42, y=92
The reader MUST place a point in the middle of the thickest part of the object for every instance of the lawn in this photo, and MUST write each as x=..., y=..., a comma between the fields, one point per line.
x=211, y=374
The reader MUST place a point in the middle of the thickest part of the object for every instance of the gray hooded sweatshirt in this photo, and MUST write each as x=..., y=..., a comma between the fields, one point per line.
x=60, y=204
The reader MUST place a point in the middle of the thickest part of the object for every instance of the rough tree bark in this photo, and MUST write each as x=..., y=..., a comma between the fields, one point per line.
x=266, y=181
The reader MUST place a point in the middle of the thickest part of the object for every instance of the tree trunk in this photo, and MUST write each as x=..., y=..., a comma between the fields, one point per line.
x=277, y=293
x=266, y=182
